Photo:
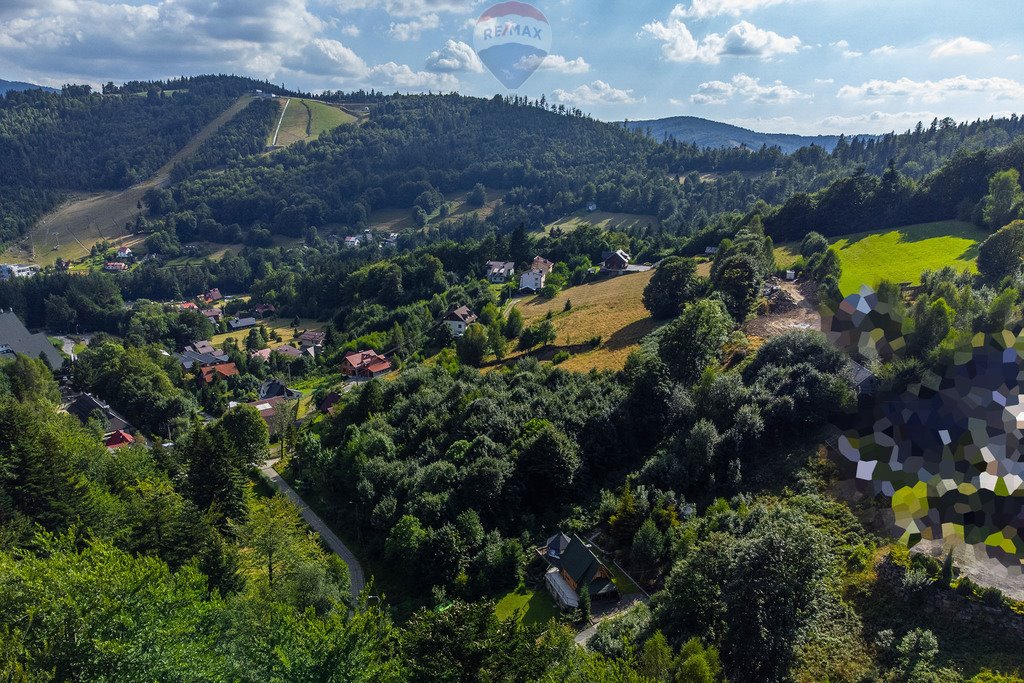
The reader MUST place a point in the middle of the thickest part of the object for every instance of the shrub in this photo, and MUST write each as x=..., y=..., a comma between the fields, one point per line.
x=561, y=357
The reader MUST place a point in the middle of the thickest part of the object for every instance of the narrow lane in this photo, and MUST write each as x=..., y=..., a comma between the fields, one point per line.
x=355, y=570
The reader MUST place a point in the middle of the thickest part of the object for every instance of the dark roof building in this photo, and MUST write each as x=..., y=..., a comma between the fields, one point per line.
x=87, y=406
x=15, y=338
x=241, y=323
x=576, y=566
x=615, y=261
x=272, y=388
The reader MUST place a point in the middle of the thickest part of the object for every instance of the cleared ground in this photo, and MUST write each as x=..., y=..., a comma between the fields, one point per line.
x=282, y=326
x=400, y=220
x=70, y=230
x=901, y=255
x=612, y=308
x=606, y=220
x=307, y=119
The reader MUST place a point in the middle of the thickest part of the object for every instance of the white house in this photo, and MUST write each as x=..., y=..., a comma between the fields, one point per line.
x=533, y=280
x=13, y=270
x=124, y=252
x=353, y=242
x=500, y=272
x=459, y=319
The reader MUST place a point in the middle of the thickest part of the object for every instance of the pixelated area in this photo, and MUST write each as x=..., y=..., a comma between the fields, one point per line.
x=867, y=326
x=947, y=453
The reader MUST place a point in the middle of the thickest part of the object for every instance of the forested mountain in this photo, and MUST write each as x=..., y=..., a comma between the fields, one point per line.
x=77, y=140
x=707, y=133
x=6, y=86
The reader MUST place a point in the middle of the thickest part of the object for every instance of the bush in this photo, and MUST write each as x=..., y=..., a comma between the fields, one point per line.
x=561, y=357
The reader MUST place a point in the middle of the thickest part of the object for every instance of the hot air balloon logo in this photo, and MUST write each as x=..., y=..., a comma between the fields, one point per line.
x=512, y=40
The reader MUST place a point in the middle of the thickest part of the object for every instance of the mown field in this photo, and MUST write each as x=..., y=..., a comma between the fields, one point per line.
x=900, y=255
x=612, y=309
x=606, y=220
x=307, y=119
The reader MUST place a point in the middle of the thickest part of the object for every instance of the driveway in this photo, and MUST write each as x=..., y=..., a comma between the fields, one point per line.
x=355, y=570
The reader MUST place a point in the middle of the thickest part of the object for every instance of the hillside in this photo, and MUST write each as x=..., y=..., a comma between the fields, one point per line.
x=707, y=133
x=18, y=86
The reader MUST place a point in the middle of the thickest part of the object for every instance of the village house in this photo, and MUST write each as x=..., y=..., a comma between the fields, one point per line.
x=500, y=272
x=292, y=353
x=9, y=271
x=312, y=339
x=533, y=280
x=273, y=388
x=15, y=338
x=352, y=242
x=118, y=439
x=573, y=565
x=188, y=306
x=204, y=346
x=276, y=412
x=459, y=319
x=615, y=261
x=114, y=267
x=263, y=310
x=262, y=354
x=213, y=295
x=214, y=315
x=86, y=407
x=124, y=253
x=210, y=373
x=365, y=365
x=236, y=324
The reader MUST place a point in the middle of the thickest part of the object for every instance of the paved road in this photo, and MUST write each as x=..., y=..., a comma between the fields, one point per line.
x=355, y=570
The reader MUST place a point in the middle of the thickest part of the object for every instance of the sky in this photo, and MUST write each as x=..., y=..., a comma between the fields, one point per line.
x=796, y=66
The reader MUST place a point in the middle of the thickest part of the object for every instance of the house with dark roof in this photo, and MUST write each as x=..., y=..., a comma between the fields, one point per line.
x=458, y=319
x=86, y=407
x=365, y=365
x=263, y=310
x=290, y=352
x=863, y=379
x=236, y=324
x=273, y=388
x=213, y=295
x=213, y=315
x=573, y=567
x=15, y=338
x=500, y=272
x=312, y=338
x=615, y=261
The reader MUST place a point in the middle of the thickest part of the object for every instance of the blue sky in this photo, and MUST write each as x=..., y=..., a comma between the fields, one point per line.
x=803, y=66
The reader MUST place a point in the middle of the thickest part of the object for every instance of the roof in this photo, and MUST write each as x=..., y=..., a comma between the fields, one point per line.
x=461, y=314
x=565, y=594
x=212, y=312
x=314, y=336
x=241, y=323
x=210, y=373
x=118, y=439
x=542, y=264
x=190, y=358
x=554, y=548
x=861, y=374
x=262, y=354
x=214, y=295
x=500, y=267
x=367, y=360
x=618, y=255
x=15, y=338
x=265, y=308
x=288, y=351
x=84, y=405
x=113, y=265
x=203, y=346
x=579, y=562
x=273, y=388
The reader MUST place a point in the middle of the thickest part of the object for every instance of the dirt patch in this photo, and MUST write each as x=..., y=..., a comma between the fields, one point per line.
x=975, y=563
x=789, y=306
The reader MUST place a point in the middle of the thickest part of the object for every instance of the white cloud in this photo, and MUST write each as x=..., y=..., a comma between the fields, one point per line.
x=556, y=63
x=741, y=40
x=824, y=81
x=995, y=88
x=872, y=123
x=407, y=8
x=596, y=93
x=746, y=88
x=351, y=30
x=411, y=30
x=844, y=47
x=325, y=57
x=392, y=75
x=961, y=46
x=884, y=51
x=1013, y=58
x=454, y=57
x=703, y=9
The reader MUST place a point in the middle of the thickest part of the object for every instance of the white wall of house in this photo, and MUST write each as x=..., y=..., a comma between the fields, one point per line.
x=457, y=327
x=533, y=280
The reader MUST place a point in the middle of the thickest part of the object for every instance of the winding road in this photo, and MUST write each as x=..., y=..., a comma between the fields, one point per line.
x=355, y=570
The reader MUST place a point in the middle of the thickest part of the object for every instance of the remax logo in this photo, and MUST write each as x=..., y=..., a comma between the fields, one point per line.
x=512, y=39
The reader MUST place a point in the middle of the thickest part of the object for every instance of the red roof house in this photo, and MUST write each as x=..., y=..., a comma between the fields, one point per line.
x=365, y=365
x=118, y=439
x=212, y=372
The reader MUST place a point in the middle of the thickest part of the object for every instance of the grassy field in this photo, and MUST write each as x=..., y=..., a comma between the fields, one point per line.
x=307, y=119
x=401, y=220
x=535, y=607
x=612, y=308
x=280, y=325
x=901, y=255
x=606, y=220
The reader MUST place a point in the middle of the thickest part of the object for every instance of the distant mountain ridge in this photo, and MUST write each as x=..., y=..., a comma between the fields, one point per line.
x=19, y=85
x=707, y=133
